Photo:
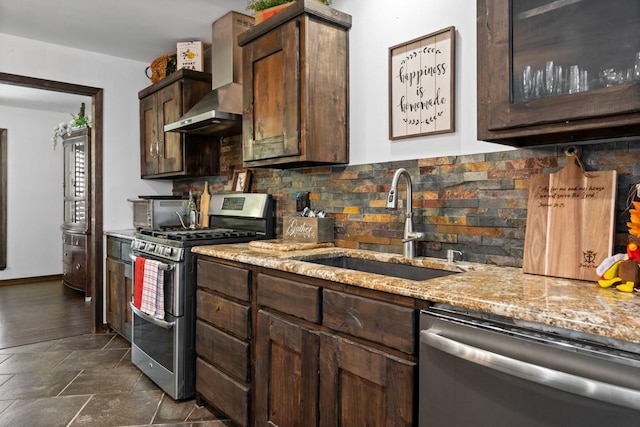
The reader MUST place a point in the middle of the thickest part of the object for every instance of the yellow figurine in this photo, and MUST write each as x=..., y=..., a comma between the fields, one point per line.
x=621, y=269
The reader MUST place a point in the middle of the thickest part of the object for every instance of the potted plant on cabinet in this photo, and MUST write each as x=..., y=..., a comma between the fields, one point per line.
x=264, y=9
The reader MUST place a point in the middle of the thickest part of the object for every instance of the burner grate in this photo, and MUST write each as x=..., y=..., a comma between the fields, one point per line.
x=196, y=235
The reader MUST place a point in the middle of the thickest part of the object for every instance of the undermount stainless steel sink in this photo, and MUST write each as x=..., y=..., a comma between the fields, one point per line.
x=403, y=271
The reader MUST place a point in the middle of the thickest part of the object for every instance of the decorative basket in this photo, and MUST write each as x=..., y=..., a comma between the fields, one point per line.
x=161, y=67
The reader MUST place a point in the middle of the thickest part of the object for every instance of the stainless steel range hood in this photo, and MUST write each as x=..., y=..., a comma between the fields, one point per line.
x=220, y=112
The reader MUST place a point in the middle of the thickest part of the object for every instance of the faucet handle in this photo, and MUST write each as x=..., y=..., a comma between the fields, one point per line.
x=414, y=236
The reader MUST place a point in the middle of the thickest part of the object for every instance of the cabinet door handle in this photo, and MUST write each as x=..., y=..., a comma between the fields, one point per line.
x=78, y=266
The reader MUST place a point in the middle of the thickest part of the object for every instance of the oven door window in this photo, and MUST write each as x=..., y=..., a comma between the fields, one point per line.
x=157, y=342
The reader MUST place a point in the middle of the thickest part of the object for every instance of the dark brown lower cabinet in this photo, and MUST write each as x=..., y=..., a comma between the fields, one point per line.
x=286, y=380
x=223, y=331
x=222, y=392
x=280, y=349
x=362, y=386
x=74, y=260
x=119, y=285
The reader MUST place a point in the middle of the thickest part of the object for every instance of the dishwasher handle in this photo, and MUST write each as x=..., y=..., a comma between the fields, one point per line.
x=593, y=389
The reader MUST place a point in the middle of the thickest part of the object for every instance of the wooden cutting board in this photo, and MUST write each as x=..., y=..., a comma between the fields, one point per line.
x=570, y=222
x=205, y=199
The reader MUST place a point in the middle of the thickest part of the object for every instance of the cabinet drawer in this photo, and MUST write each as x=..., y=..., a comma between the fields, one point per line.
x=114, y=248
x=223, y=392
x=224, y=314
x=290, y=297
x=119, y=249
x=79, y=240
x=74, y=256
x=75, y=275
x=125, y=252
x=74, y=272
x=228, y=353
x=67, y=254
x=377, y=321
x=228, y=280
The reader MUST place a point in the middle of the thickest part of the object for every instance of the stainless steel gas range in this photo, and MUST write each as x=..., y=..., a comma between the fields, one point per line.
x=163, y=347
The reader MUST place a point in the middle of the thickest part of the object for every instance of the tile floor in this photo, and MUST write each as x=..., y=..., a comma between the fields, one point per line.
x=87, y=380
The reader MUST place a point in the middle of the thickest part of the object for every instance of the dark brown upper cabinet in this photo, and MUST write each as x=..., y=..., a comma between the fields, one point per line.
x=171, y=154
x=557, y=71
x=296, y=88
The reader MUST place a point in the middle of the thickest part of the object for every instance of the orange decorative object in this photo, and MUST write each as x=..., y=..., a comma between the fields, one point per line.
x=634, y=224
x=268, y=13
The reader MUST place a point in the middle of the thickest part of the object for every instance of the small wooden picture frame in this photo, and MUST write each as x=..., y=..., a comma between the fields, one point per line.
x=241, y=181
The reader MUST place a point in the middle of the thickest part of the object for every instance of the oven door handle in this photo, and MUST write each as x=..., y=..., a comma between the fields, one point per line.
x=574, y=384
x=162, y=266
x=158, y=322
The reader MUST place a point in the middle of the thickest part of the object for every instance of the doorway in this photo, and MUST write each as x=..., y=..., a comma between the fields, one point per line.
x=95, y=238
x=3, y=199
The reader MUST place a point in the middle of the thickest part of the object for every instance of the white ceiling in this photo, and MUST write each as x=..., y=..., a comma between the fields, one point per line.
x=135, y=29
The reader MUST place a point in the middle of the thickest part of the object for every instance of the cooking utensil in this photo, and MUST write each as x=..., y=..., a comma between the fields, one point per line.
x=205, y=199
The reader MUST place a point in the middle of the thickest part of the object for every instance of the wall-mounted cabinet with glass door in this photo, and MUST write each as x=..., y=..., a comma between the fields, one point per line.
x=552, y=71
x=76, y=168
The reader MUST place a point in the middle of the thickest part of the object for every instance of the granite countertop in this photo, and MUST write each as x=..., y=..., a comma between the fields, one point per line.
x=572, y=304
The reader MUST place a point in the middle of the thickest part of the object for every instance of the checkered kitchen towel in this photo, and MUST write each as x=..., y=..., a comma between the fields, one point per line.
x=153, y=289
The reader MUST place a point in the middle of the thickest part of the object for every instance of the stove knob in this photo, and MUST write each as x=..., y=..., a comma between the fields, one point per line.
x=168, y=251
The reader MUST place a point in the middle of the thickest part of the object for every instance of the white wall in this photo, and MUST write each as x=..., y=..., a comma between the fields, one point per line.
x=34, y=247
x=377, y=27
x=121, y=80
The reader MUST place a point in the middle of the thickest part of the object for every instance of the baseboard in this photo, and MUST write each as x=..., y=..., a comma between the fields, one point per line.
x=25, y=280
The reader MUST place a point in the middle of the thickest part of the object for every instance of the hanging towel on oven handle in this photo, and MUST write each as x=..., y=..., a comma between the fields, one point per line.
x=153, y=289
x=138, y=280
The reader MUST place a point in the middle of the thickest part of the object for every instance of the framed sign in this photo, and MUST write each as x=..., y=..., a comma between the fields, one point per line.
x=241, y=181
x=421, y=85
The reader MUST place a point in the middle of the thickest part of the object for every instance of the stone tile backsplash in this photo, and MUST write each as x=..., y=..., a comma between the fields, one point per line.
x=473, y=203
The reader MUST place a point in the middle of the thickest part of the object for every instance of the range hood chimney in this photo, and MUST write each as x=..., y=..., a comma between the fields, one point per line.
x=219, y=113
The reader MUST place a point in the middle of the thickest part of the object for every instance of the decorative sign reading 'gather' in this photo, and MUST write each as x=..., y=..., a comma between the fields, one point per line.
x=307, y=229
x=421, y=85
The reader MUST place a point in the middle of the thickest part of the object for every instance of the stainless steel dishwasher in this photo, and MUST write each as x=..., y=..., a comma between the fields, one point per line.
x=478, y=369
